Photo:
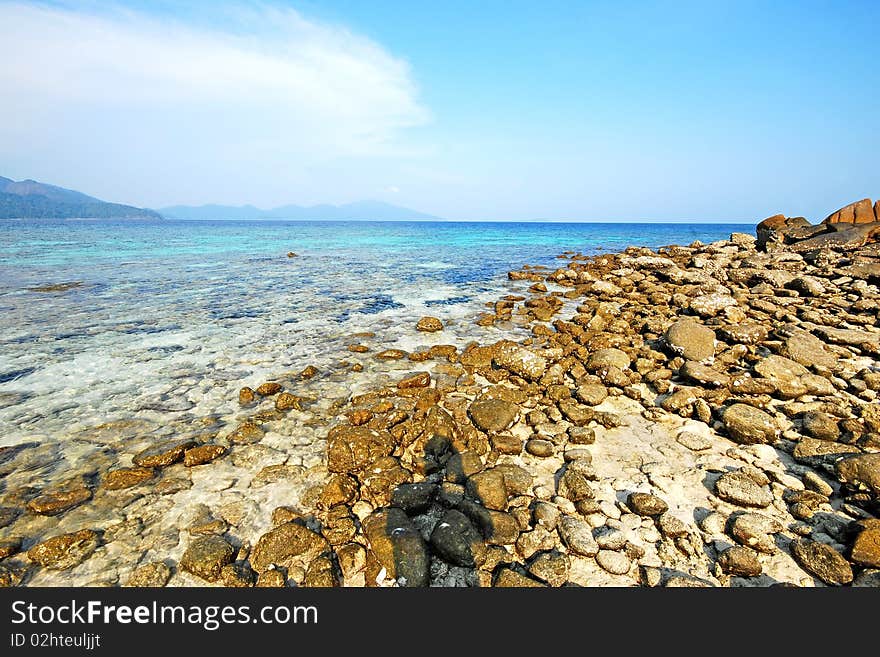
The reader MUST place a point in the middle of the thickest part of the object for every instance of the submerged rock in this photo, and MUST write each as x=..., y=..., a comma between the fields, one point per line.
x=65, y=551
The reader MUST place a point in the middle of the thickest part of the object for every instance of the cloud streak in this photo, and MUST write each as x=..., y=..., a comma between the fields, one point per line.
x=116, y=90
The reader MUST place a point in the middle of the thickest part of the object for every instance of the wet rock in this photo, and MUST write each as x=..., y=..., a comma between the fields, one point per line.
x=268, y=389
x=246, y=396
x=866, y=548
x=646, y=504
x=691, y=340
x=351, y=449
x=755, y=531
x=55, y=503
x=519, y=360
x=457, y=541
x=862, y=470
x=9, y=546
x=823, y=561
x=419, y=380
x=616, y=563
x=577, y=536
x=151, y=575
x=205, y=557
x=165, y=453
x=309, y=372
x=202, y=454
x=287, y=401
x=749, y=425
x=550, y=567
x=740, y=489
x=414, y=498
x=391, y=354
x=493, y=415
x=8, y=514
x=237, y=575
x=429, y=325
x=65, y=551
x=398, y=547
x=740, y=561
x=126, y=478
x=285, y=544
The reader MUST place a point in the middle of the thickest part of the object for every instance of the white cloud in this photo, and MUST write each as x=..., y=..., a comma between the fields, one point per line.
x=116, y=91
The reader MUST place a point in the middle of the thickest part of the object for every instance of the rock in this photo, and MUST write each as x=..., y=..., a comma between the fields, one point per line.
x=646, y=504
x=351, y=449
x=286, y=402
x=505, y=444
x=519, y=360
x=605, y=358
x=493, y=415
x=690, y=339
x=205, y=557
x=591, y=394
x=740, y=561
x=339, y=489
x=237, y=575
x=755, y=531
x=489, y=488
x=738, y=488
x=126, y=478
x=861, y=470
x=151, y=575
x=575, y=413
x=577, y=536
x=693, y=441
x=551, y=567
x=268, y=389
x=462, y=465
x=246, y=396
x=429, y=325
x=53, y=504
x=271, y=579
x=286, y=543
x=9, y=546
x=398, y=547
x=784, y=374
x=581, y=435
x=742, y=239
x=859, y=212
x=517, y=480
x=65, y=551
x=616, y=563
x=748, y=333
x=821, y=426
x=539, y=447
x=671, y=527
x=866, y=548
x=414, y=498
x=808, y=286
x=573, y=485
x=245, y=433
x=457, y=541
x=309, y=372
x=8, y=514
x=703, y=374
x=709, y=305
x=508, y=578
x=815, y=452
x=823, y=561
x=419, y=380
x=321, y=573
x=165, y=453
x=391, y=354
x=202, y=454
x=749, y=425
x=610, y=538
x=851, y=337
x=869, y=577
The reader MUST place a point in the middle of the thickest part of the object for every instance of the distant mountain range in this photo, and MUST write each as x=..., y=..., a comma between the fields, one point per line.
x=29, y=199
x=359, y=211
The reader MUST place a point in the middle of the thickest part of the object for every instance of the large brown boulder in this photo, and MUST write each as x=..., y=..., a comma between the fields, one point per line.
x=859, y=212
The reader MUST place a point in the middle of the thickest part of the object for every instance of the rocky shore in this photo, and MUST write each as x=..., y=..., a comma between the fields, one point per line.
x=701, y=415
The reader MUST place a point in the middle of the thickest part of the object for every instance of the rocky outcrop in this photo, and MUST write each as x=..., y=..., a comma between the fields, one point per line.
x=850, y=227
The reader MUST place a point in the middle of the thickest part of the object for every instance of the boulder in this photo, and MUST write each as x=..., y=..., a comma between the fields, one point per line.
x=749, y=425
x=493, y=415
x=823, y=561
x=398, y=547
x=205, y=557
x=690, y=339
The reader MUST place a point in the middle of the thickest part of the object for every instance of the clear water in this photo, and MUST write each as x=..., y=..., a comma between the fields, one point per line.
x=167, y=321
x=219, y=302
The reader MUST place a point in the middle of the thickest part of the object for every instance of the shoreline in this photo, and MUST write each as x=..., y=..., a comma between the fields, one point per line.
x=525, y=463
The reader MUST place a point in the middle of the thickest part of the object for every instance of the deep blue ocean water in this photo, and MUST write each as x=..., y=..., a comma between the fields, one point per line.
x=177, y=308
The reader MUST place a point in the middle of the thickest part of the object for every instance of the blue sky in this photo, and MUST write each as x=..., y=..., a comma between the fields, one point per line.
x=620, y=111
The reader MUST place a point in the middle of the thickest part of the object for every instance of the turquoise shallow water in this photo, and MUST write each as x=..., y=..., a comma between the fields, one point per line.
x=214, y=304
